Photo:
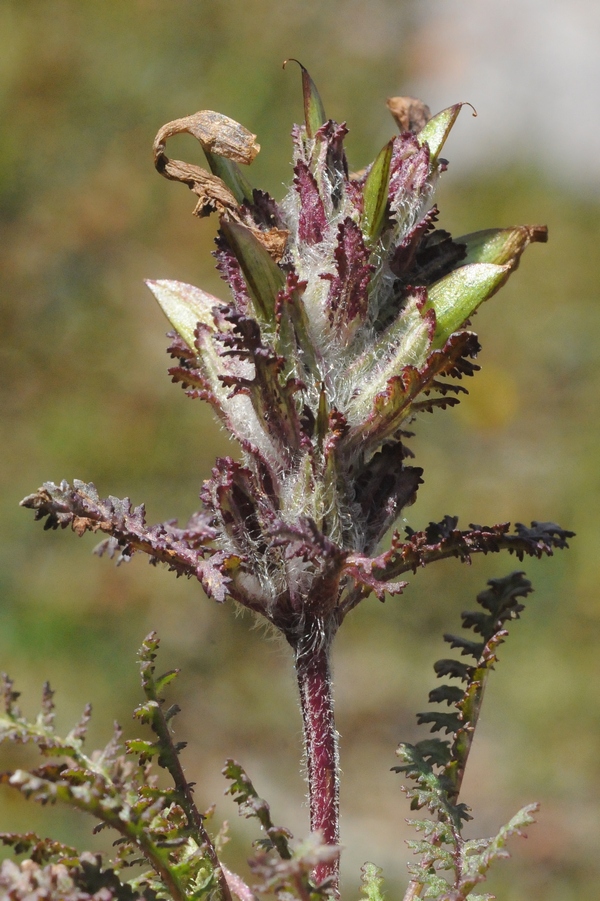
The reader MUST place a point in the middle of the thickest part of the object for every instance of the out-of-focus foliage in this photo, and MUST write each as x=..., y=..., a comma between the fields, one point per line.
x=84, y=393
x=162, y=824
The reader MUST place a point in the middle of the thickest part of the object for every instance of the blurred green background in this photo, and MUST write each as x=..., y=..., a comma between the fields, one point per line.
x=84, y=393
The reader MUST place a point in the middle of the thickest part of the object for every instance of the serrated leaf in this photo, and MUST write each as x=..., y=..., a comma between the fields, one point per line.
x=468, y=648
x=448, y=721
x=164, y=680
x=251, y=805
x=449, y=693
x=476, y=865
x=146, y=750
x=371, y=882
x=434, y=750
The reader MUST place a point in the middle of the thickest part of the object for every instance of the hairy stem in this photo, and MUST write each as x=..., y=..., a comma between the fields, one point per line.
x=237, y=885
x=320, y=738
x=413, y=891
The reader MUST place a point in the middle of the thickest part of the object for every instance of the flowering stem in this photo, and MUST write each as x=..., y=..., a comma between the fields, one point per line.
x=320, y=738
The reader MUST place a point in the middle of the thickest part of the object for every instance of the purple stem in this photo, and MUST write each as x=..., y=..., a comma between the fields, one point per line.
x=320, y=738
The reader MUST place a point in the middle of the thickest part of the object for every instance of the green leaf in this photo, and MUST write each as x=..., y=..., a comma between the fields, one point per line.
x=475, y=866
x=372, y=882
x=164, y=680
x=145, y=749
x=251, y=805
x=375, y=193
x=314, y=111
x=437, y=130
x=434, y=750
x=230, y=173
x=501, y=245
x=184, y=306
x=263, y=276
x=456, y=296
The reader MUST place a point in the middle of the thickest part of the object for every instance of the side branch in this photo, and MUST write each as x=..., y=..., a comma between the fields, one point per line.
x=80, y=507
x=441, y=540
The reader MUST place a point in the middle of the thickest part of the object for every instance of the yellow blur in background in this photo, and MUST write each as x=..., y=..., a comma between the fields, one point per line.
x=84, y=394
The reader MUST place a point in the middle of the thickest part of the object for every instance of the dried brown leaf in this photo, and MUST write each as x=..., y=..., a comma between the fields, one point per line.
x=217, y=134
x=274, y=240
x=409, y=113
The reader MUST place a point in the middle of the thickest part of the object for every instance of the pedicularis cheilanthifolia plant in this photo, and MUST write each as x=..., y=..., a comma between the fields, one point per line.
x=347, y=315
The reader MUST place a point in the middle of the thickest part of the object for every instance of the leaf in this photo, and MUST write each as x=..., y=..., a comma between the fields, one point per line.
x=371, y=882
x=348, y=301
x=383, y=400
x=184, y=306
x=502, y=246
x=449, y=693
x=84, y=879
x=447, y=721
x=409, y=113
x=229, y=172
x=468, y=648
x=81, y=507
x=39, y=850
x=293, y=878
x=476, y=865
x=312, y=220
x=430, y=787
x=273, y=399
x=443, y=539
x=251, y=805
x=434, y=751
x=438, y=128
x=263, y=277
x=375, y=193
x=363, y=570
x=383, y=488
x=161, y=683
x=456, y=297
x=411, y=184
x=314, y=112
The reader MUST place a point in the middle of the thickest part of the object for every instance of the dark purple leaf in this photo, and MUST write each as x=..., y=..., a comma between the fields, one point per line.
x=347, y=302
x=231, y=272
x=266, y=211
x=312, y=220
x=383, y=489
x=80, y=507
x=409, y=171
x=272, y=399
x=332, y=154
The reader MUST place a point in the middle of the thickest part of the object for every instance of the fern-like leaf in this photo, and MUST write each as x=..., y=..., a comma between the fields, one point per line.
x=159, y=826
x=251, y=805
x=435, y=768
